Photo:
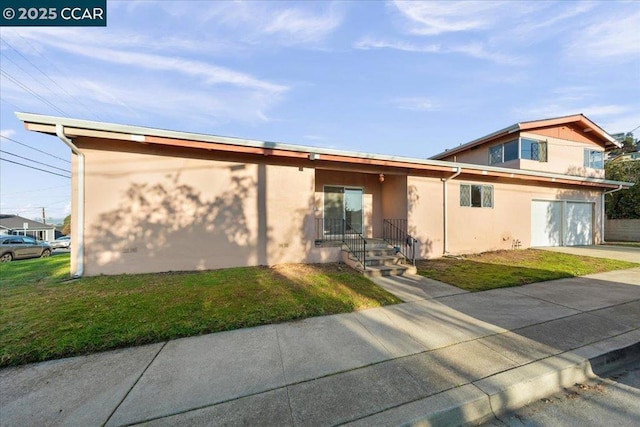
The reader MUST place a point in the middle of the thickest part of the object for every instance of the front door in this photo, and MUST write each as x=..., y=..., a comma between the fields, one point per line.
x=342, y=208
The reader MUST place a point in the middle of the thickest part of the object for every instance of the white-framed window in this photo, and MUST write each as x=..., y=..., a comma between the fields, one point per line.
x=503, y=152
x=532, y=149
x=593, y=159
x=476, y=195
x=522, y=148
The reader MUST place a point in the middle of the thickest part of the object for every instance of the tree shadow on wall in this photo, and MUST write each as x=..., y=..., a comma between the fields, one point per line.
x=170, y=226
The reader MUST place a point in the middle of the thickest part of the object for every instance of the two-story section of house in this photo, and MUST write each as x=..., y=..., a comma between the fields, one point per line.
x=570, y=145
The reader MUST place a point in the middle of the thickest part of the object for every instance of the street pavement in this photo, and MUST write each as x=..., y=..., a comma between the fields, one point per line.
x=444, y=357
x=613, y=401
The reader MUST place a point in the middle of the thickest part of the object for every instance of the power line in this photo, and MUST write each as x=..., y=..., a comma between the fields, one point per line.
x=34, y=161
x=32, y=167
x=43, y=73
x=12, y=104
x=36, y=191
x=40, y=151
x=28, y=89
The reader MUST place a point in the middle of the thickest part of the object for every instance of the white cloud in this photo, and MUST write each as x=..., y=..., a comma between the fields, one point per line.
x=416, y=104
x=7, y=133
x=250, y=23
x=369, y=43
x=212, y=74
x=612, y=36
x=300, y=26
x=479, y=50
x=612, y=117
x=436, y=17
x=476, y=49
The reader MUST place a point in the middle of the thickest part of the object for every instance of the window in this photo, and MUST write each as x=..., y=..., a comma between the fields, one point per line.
x=531, y=149
x=495, y=154
x=593, y=159
x=476, y=196
x=503, y=152
x=510, y=151
x=518, y=149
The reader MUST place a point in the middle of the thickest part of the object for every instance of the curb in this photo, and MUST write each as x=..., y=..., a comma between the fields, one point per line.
x=482, y=400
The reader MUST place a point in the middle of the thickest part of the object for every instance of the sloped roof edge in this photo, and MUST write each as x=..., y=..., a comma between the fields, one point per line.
x=9, y=221
x=529, y=125
x=137, y=135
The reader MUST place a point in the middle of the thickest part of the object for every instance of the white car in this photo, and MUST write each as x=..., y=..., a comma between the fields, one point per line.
x=61, y=242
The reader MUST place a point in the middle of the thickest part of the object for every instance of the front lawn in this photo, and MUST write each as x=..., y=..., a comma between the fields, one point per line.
x=502, y=269
x=44, y=317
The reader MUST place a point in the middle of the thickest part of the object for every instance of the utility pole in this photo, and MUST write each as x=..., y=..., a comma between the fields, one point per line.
x=44, y=218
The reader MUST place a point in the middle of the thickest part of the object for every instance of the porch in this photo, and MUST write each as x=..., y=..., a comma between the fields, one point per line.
x=363, y=213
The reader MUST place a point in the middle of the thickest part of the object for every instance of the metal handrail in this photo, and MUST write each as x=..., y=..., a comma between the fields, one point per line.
x=356, y=243
x=394, y=232
x=339, y=230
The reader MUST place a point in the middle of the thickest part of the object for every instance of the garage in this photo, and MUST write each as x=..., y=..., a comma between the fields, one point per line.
x=561, y=223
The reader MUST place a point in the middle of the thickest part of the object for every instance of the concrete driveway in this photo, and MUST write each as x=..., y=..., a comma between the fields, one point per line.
x=623, y=253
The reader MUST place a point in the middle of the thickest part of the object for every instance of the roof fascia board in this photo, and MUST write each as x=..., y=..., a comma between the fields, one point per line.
x=478, y=141
x=212, y=142
x=524, y=126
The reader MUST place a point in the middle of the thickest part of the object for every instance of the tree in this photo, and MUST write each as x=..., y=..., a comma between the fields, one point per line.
x=629, y=144
x=66, y=225
x=624, y=204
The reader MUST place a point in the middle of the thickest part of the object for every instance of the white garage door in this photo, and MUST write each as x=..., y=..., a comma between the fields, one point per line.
x=558, y=223
x=578, y=220
x=546, y=223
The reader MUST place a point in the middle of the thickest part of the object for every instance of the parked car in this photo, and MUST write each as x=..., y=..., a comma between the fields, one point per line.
x=61, y=242
x=18, y=247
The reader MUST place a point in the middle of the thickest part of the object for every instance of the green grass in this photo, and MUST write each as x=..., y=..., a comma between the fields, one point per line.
x=44, y=317
x=513, y=268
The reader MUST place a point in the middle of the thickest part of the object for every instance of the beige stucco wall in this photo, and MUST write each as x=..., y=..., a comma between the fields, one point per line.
x=473, y=229
x=148, y=213
x=187, y=210
x=425, y=215
x=564, y=156
x=394, y=197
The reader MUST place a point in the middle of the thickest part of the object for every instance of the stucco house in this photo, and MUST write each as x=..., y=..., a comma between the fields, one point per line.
x=151, y=200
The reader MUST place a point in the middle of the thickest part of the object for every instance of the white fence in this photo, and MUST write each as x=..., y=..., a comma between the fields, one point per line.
x=622, y=230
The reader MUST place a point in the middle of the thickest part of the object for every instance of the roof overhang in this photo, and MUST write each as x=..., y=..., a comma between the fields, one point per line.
x=578, y=120
x=315, y=156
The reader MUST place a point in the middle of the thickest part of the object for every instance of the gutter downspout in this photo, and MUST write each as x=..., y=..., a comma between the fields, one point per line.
x=79, y=238
x=445, y=201
x=603, y=218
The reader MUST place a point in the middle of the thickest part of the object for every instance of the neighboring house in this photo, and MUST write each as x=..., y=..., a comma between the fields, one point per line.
x=14, y=224
x=624, y=157
x=150, y=200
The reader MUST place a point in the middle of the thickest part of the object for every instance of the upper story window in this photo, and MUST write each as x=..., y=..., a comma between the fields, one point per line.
x=593, y=159
x=476, y=196
x=531, y=149
x=523, y=148
x=503, y=152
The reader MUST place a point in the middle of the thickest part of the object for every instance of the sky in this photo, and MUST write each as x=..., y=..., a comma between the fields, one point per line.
x=389, y=77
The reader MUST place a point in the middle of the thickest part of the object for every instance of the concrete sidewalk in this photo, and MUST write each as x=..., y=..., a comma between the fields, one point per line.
x=446, y=357
x=622, y=253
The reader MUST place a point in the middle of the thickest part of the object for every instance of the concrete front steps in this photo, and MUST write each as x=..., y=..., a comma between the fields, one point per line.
x=381, y=260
